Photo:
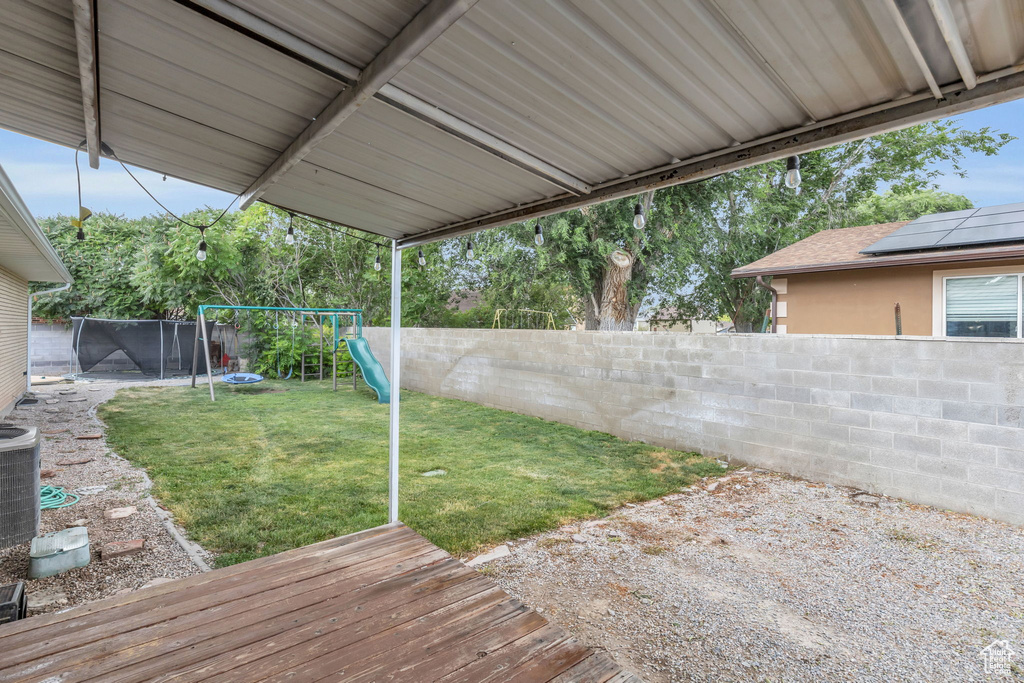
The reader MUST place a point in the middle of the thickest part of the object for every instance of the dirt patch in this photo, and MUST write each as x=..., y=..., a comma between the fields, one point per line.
x=765, y=578
x=663, y=461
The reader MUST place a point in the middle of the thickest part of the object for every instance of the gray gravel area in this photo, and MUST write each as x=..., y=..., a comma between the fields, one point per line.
x=768, y=578
x=62, y=415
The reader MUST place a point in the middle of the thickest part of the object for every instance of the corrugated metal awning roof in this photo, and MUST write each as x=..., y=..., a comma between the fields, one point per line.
x=420, y=120
x=25, y=250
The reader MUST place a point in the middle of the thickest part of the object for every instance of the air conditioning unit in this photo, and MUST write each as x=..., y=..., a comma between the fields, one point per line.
x=19, y=484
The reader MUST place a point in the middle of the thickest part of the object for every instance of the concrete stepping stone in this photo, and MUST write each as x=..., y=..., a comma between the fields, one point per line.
x=122, y=548
x=120, y=513
x=51, y=401
x=158, y=581
x=68, y=392
x=46, y=598
x=90, y=490
x=500, y=551
x=76, y=400
x=51, y=410
x=47, y=474
x=74, y=461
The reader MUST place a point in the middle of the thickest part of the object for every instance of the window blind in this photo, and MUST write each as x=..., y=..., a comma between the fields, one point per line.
x=991, y=298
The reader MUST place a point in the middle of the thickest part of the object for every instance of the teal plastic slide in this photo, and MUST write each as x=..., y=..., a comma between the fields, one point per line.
x=371, y=368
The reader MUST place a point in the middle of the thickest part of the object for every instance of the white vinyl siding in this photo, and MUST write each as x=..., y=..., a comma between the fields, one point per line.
x=13, y=337
x=982, y=305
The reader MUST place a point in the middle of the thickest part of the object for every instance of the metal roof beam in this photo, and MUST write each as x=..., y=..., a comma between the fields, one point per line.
x=425, y=27
x=943, y=14
x=994, y=89
x=238, y=18
x=84, y=12
x=915, y=49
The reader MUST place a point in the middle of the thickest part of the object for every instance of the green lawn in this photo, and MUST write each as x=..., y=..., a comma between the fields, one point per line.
x=256, y=473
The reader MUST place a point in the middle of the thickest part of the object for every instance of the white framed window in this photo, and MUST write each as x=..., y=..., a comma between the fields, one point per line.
x=981, y=304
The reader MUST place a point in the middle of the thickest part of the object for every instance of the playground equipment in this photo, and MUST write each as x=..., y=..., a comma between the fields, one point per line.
x=330, y=327
x=371, y=368
x=157, y=348
x=523, y=319
x=242, y=378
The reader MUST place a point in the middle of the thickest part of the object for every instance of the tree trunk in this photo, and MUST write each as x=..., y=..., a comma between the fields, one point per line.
x=592, y=316
x=616, y=313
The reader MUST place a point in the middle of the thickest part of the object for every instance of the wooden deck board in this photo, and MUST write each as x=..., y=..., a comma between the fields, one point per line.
x=383, y=604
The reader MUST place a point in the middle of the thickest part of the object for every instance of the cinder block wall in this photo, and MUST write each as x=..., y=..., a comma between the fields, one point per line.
x=929, y=420
x=51, y=348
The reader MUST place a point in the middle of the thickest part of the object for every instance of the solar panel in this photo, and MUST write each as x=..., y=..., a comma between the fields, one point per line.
x=968, y=227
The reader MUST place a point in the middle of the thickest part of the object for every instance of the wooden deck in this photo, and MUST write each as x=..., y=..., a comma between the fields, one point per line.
x=380, y=605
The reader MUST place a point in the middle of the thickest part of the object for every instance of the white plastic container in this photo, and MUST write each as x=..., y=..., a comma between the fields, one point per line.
x=55, y=553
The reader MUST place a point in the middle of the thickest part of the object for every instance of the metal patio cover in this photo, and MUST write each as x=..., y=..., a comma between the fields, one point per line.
x=420, y=120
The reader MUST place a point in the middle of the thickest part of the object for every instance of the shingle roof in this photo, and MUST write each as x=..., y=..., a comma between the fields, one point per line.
x=840, y=250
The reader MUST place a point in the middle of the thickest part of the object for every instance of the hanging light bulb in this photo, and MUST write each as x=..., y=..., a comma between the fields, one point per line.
x=290, y=237
x=793, y=172
x=421, y=258
x=639, y=220
x=376, y=261
x=538, y=234
x=469, y=249
x=201, y=253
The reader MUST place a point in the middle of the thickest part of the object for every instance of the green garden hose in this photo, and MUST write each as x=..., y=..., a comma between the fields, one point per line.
x=53, y=497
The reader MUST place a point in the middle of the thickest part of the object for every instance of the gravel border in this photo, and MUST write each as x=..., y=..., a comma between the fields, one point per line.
x=763, y=577
x=71, y=412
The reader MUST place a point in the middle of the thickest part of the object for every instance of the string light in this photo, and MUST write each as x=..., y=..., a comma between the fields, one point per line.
x=421, y=258
x=469, y=249
x=105, y=148
x=793, y=172
x=290, y=237
x=376, y=261
x=639, y=220
x=538, y=234
x=201, y=254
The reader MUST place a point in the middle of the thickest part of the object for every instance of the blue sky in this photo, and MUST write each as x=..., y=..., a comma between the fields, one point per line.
x=44, y=174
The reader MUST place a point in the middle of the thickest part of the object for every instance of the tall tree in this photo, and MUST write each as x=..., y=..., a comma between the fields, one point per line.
x=891, y=207
x=752, y=213
x=697, y=234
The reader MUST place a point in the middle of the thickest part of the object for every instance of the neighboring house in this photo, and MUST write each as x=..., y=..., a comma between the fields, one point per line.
x=25, y=255
x=952, y=274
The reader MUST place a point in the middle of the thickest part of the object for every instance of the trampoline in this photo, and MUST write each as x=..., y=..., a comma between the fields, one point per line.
x=242, y=378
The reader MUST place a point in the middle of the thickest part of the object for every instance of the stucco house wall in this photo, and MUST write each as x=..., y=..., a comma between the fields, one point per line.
x=862, y=301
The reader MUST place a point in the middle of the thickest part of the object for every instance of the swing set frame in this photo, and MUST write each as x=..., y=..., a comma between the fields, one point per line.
x=334, y=314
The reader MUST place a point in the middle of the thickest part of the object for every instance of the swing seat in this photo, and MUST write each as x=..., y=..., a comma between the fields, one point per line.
x=242, y=378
